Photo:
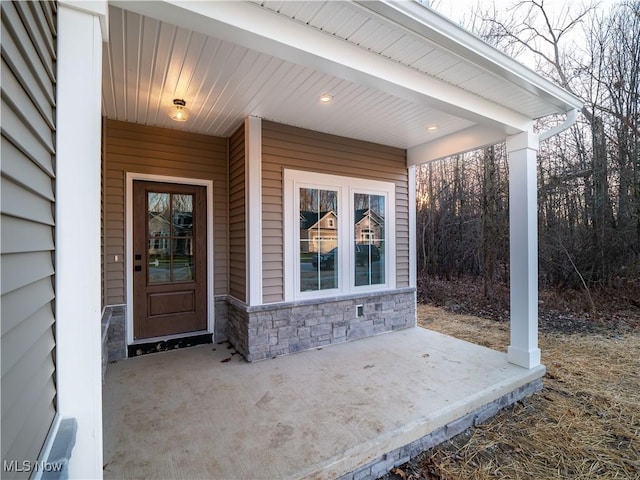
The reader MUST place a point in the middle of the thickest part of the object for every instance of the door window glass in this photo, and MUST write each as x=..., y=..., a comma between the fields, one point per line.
x=170, y=237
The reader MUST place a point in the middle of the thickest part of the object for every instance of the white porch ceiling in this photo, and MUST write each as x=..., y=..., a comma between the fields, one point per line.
x=148, y=62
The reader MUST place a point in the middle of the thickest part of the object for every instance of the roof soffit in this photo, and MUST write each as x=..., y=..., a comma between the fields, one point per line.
x=428, y=24
x=147, y=63
x=262, y=30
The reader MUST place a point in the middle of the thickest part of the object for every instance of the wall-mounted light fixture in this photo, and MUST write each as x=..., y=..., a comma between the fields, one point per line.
x=178, y=111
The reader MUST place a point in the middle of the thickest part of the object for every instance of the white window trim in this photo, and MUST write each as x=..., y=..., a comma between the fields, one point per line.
x=346, y=187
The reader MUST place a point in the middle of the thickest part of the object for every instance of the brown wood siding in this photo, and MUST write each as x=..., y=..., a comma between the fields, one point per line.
x=28, y=227
x=129, y=147
x=295, y=148
x=237, y=218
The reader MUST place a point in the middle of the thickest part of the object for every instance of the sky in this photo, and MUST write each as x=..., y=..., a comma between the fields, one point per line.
x=457, y=9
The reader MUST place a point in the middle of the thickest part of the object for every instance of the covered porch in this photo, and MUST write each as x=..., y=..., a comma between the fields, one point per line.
x=424, y=91
x=353, y=410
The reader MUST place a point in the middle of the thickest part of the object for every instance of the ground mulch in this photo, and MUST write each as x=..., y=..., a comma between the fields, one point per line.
x=584, y=424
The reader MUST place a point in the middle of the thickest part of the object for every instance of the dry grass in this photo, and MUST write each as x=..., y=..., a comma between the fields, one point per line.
x=584, y=424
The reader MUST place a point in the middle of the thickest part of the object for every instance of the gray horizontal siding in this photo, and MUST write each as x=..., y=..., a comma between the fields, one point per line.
x=295, y=148
x=27, y=215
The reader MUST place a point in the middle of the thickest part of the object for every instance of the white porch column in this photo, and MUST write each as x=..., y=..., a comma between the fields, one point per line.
x=413, y=261
x=253, y=196
x=81, y=26
x=523, y=244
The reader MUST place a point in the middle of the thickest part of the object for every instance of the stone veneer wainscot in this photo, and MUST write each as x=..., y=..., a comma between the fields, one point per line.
x=267, y=331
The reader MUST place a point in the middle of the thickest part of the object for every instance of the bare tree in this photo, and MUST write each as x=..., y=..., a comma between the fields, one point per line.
x=589, y=177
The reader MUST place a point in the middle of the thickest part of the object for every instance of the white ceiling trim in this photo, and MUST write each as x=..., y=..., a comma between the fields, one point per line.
x=259, y=29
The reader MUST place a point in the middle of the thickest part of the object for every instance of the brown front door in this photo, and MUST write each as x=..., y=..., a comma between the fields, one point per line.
x=169, y=259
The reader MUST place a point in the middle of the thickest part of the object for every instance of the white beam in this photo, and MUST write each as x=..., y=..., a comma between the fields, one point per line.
x=265, y=31
x=523, y=245
x=253, y=208
x=463, y=141
x=78, y=309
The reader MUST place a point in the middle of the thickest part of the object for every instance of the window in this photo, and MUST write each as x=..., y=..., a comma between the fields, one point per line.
x=337, y=239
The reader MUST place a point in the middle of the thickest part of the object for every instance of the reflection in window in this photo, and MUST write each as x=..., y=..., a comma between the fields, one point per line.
x=318, y=239
x=369, y=239
x=159, y=214
x=182, y=265
x=170, y=237
x=182, y=218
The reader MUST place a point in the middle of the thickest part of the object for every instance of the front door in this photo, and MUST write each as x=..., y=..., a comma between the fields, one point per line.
x=169, y=259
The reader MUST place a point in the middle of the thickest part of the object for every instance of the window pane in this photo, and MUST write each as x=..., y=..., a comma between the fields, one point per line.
x=377, y=265
x=159, y=214
x=318, y=239
x=369, y=239
x=182, y=215
x=159, y=260
x=182, y=269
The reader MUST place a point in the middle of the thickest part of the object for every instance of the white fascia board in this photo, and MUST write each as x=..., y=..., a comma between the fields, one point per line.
x=466, y=140
x=262, y=30
x=446, y=33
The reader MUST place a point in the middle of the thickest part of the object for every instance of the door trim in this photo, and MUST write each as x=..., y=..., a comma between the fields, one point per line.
x=130, y=177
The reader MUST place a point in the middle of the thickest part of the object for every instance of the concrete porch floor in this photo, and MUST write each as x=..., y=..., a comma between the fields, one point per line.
x=316, y=414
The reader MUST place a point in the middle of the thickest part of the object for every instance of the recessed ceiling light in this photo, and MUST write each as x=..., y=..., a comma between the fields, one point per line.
x=432, y=128
x=326, y=98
